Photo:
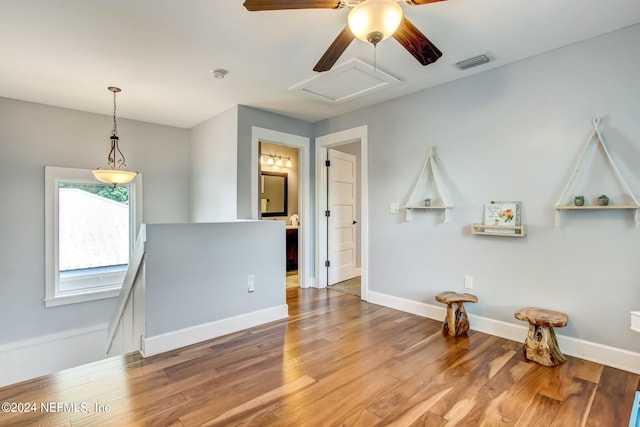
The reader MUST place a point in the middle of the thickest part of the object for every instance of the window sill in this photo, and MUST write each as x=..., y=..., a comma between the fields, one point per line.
x=84, y=297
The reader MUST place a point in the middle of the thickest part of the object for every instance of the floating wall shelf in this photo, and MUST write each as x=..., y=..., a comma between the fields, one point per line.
x=427, y=207
x=577, y=208
x=499, y=230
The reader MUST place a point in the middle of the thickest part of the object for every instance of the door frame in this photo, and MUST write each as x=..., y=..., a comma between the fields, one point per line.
x=303, y=144
x=332, y=140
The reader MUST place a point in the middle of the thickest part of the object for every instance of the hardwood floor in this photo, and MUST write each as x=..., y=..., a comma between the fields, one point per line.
x=349, y=286
x=335, y=361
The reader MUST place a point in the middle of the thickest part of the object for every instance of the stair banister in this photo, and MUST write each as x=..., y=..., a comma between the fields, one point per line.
x=127, y=285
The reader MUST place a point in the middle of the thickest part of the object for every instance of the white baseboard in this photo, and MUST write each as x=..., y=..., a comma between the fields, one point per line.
x=314, y=284
x=23, y=360
x=309, y=282
x=195, y=334
x=594, y=352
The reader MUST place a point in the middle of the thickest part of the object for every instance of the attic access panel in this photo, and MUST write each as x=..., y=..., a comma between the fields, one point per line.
x=351, y=80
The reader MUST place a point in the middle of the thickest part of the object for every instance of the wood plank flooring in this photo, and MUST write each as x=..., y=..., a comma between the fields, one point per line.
x=337, y=361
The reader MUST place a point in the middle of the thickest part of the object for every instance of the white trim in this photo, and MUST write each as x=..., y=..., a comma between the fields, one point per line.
x=594, y=352
x=322, y=144
x=304, y=189
x=194, y=334
x=22, y=360
x=83, y=297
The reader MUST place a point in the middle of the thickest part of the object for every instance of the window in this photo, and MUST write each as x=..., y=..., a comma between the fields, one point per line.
x=90, y=230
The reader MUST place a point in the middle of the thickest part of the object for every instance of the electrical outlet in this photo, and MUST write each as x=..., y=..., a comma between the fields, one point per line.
x=468, y=282
x=394, y=208
x=252, y=282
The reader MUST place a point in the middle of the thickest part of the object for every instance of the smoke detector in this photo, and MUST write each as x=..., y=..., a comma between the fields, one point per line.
x=219, y=73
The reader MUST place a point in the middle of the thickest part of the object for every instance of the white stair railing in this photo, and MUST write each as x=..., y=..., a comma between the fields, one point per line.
x=127, y=286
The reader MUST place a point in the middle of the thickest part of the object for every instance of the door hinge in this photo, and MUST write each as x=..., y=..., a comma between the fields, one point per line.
x=327, y=213
x=327, y=263
x=327, y=163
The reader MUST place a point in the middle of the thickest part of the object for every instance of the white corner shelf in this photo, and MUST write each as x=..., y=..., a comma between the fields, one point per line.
x=594, y=139
x=499, y=230
x=411, y=204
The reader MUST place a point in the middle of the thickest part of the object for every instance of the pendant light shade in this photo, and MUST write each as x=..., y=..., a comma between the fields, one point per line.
x=375, y=20
x=115, y=159
x=114, y=176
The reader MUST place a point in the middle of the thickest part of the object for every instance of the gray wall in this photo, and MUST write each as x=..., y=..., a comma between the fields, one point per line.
x=213, y=154
x=514, y=133
x=34, y=135
x=200, y=271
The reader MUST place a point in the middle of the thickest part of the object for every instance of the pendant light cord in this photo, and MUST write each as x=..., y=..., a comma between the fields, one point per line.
x=114, y=132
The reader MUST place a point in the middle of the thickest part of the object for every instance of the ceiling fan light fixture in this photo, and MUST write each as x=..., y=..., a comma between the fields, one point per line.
x=375, y=20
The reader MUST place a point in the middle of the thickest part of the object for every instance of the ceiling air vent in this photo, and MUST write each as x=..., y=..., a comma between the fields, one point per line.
x=473, y=62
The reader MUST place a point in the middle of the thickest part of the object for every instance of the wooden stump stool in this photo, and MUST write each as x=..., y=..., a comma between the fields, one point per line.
x=541, y=345
x=456, y=323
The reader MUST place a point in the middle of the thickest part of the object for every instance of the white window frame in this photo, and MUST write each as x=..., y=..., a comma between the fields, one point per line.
x=53, y=176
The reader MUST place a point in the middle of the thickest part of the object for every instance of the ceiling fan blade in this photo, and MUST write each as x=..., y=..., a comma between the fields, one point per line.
x=336, y=49
x=258, y=5
x=416, y=43
x=420, y=2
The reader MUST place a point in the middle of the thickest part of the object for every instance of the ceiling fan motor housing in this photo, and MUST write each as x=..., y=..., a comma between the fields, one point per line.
x=375, y=37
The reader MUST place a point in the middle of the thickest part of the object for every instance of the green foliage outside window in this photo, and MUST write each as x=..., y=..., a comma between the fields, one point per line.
x=119, y=193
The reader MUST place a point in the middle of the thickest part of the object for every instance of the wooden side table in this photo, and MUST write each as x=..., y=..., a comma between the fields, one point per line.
x=457, y=322
x=541, y=345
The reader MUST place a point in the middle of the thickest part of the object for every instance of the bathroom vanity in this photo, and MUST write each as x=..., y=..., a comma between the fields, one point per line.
x=292, y=247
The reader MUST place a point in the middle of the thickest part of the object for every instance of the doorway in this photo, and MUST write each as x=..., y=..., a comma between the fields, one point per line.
x=301, y=145
x=342, y=236
x=279, y=183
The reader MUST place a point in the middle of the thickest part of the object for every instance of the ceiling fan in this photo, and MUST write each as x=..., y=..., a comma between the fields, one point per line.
x=402, y=29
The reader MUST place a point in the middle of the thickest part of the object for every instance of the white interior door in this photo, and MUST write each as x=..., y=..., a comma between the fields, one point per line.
x=341, y=224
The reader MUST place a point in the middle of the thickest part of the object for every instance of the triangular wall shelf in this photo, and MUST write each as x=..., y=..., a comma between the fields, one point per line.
x=430, y=162
x=564, y=200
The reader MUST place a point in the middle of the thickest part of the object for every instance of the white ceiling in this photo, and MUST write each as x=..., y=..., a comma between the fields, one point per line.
x=161, y=52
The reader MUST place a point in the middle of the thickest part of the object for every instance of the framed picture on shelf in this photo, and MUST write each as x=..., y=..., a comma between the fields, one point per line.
x=502, y=213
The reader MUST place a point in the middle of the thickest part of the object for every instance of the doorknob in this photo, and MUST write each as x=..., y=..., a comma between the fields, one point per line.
x=355, y=222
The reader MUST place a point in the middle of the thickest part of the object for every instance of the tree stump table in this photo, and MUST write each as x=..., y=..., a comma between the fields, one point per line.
x=457, y=322
x=541, y=345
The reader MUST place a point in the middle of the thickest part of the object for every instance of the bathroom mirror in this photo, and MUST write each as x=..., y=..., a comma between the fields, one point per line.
x=273, y=194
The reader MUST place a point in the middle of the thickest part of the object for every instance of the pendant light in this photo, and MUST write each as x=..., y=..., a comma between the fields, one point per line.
x=114, y=175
